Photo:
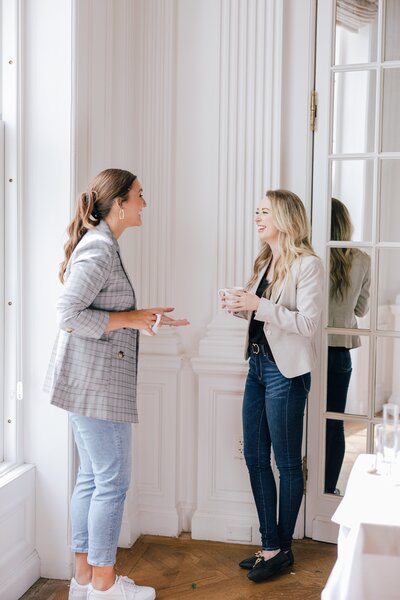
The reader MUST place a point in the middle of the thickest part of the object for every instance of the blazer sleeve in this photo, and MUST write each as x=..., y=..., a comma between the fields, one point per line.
x=362, y=305
x=90, y=269
x=305, y=318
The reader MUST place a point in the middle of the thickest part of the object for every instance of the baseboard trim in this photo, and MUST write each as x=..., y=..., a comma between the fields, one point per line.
x=20, y=579
x=155, y=522
x=225, y=528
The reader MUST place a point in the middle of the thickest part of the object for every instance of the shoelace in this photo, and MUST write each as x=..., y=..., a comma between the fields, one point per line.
x=127, y=581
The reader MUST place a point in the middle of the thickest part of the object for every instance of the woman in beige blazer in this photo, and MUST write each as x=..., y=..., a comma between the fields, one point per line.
x=282, y=303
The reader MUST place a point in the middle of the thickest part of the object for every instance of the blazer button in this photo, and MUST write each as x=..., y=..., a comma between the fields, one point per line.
x=120, y=354
x=69, y=330
x=268, y=332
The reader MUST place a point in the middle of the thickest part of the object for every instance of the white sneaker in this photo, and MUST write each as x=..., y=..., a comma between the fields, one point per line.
x=77, y=591
x=123, y=589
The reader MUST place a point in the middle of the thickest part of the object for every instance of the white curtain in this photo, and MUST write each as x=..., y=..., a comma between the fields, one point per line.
x=355, y=14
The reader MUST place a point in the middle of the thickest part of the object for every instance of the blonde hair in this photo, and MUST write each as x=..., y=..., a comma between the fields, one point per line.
x=94, y=205
x=290, y=218
x=341, y=259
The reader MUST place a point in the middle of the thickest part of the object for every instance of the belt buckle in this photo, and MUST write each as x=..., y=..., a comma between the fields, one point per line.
x=255, y=348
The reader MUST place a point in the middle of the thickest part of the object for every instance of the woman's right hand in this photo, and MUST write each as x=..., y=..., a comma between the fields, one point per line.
x=145, y=318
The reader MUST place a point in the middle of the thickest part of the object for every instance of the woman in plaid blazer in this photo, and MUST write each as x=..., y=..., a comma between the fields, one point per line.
x=92, y=374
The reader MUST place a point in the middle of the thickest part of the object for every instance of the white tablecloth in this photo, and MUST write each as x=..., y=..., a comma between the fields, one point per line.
x=368, y=563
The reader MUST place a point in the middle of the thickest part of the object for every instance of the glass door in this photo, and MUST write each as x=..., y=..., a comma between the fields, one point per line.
x=356, y=228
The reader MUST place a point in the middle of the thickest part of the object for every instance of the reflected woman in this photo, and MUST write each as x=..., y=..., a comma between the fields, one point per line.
x=350, y=278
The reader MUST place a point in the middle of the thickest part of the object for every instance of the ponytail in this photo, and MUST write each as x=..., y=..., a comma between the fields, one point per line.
x=93, y=206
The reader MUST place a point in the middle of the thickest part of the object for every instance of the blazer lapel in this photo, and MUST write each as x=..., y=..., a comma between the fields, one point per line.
x=280, y=290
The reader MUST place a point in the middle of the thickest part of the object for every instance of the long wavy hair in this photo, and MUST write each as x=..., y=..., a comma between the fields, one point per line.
x=341, y=259
x=94, y=205
x=290, y=218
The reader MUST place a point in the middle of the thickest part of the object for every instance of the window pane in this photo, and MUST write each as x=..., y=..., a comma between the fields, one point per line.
x=352, y=185
x=349, y=291
x=390, y=111
x=389, y=289
x=354, y=112
x=392, y=28
x=345, y=440
x=356, y=32
x=347, y=384
x=387, y=386
x=389, y=230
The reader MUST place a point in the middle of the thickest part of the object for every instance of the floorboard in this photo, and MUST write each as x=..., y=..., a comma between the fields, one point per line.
x=183, y=569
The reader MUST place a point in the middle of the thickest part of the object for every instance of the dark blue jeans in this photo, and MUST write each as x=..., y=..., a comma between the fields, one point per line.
x=273, y=411
x=339, y=374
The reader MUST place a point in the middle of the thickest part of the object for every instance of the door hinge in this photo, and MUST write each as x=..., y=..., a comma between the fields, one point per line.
x=305, y=473
x=313, y=109
x=20, y=390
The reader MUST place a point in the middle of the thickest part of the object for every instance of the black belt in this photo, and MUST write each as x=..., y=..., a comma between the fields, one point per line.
x=263, y=349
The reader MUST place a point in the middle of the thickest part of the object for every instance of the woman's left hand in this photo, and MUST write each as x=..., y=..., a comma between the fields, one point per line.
x=241, y=301
x=173, y=322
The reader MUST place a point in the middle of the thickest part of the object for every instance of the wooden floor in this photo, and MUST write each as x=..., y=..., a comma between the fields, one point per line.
x=183, y=569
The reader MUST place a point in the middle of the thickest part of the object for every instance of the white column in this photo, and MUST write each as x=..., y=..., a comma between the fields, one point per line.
x=249, y=149
x=248, y=164
x=125, y=92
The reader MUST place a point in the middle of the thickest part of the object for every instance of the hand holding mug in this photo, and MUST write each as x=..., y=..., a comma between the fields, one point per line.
x=238, y=299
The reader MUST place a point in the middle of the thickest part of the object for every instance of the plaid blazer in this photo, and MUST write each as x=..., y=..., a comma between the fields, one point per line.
x=93, y=372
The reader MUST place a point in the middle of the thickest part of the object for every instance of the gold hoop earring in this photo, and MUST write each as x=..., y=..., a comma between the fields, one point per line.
x=121, y=214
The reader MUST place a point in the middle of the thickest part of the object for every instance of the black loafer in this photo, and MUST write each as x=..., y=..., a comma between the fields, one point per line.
x=250, y=561
x=264, y=569
x=290, y=556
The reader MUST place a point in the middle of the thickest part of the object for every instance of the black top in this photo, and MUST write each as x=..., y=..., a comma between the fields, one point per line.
x=256, y=328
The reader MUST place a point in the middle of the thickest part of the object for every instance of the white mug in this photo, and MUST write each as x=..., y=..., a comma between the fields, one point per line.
x=227, y=292
x=154, y=327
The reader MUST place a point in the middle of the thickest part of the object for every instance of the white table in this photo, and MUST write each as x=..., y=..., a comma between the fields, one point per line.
x=368, y=563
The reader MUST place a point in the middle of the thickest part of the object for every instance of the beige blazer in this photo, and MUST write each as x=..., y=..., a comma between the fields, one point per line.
x=290, y=323
x=343, y=313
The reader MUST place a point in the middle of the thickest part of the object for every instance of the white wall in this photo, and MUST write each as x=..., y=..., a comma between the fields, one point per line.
x=46, y=190
x=189, y=97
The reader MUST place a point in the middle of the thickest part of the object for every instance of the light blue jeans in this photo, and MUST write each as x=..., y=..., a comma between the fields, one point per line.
x=97, y=502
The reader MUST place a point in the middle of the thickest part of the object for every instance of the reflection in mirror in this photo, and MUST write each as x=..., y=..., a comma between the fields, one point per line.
x=354, y=434
x=356, y=31
x=390, y=111
x=389, y=230
x=387, y=378
x=392, y=28
x=349, y=291
x=349, y=280
x=389, y=289
x=353, y=183
x=354, y=130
